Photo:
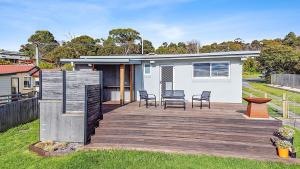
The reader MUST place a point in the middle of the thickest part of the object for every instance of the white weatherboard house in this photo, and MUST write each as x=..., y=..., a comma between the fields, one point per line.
x=219, y=72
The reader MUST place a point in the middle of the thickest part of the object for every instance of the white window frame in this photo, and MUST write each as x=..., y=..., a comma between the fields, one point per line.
x=210, y=70
x=147, y=74
x=30, y=82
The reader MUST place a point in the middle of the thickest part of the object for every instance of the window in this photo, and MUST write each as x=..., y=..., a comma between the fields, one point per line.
x=37, y=83
x=27, y=82
x=202, y=70
x=147, y=69
x=211, y=70
x=220, y=69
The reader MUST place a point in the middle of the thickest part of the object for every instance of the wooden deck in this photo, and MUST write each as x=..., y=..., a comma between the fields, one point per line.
x=221, y=130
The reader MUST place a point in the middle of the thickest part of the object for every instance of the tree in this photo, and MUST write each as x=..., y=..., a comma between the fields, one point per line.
x=45, y=41
x=278, y=59
x=125, y=38
x=83, y=45
x=61, y=52
x=148, y=47
x=290, y=39
x=192, y=46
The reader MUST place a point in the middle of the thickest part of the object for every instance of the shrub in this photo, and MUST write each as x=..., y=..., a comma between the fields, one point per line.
x=68, y=67
x=283, y=144
x=286, y=132
x=46, y=65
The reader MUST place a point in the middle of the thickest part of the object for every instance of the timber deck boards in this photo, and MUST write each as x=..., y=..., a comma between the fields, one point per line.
x=221, y=130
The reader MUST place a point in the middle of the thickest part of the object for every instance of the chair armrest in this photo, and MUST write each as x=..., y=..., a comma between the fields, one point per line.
x=152, y=95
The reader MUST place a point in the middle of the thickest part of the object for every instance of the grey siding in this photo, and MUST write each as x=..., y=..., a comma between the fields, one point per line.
x=5, y=85
x=223, y=90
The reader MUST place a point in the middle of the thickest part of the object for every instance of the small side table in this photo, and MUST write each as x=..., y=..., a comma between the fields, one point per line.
x=257, y=107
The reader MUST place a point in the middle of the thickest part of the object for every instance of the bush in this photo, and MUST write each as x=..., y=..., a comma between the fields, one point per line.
x=286, y=132
x=4, y=62
x=283, y=144
x=68, y=67
x=46, y=65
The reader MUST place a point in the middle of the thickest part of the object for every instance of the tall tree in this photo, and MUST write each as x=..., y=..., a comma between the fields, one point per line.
x=290, y=39
x=125, y=38
x=61, y=52
x=148, y=47
x=83, y=45
x=45, y=41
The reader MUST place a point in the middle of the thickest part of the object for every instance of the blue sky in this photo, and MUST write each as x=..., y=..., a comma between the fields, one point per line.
x=157, y=20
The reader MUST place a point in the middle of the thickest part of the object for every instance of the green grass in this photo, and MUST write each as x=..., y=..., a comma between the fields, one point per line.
x=263, y=88
x=14, y=154
x=293, y=96
x=251, y=75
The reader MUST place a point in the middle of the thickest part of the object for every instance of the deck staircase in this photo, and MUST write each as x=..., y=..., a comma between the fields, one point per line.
x=222, y=130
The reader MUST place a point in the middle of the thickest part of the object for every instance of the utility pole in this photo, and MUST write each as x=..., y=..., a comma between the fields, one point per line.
x=142, y=45
x=37, y=55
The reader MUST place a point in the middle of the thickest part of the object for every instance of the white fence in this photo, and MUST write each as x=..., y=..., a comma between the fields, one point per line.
x=288, y=80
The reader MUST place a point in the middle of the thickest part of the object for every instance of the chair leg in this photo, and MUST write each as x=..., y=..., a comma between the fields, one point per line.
x=140, y=103
x=192, y=103
x=146, y=103
x=155, y=102
x=201, y=105
x=209, y=104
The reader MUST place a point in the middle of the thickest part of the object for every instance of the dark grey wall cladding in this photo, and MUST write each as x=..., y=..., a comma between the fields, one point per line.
x=75, y=88
x=52, y=87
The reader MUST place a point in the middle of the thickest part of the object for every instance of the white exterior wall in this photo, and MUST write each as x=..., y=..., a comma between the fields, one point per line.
x=223, y=90
x=5, y=85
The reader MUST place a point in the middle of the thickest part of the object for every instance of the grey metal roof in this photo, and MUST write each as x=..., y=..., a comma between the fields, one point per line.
x=13, y=55
x=132, y=58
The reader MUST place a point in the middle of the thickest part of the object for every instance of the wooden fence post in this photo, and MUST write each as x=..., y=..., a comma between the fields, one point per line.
x=284, y=106
x=251, y=95
x=266, y=95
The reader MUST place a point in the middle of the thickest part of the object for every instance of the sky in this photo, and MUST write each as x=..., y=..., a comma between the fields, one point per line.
x=206, y=21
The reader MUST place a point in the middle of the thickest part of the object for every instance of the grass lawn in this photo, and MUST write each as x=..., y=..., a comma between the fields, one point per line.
x=292, y=96
x=14, y=154
x=251, y=75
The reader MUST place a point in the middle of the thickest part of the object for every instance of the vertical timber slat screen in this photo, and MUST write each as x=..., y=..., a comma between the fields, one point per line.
x=52, y=87
x=18, y=112
x=93, y=109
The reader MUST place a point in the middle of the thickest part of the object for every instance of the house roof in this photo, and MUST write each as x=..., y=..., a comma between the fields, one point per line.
x=13, y=55
x=136, y=59
x=13, y=69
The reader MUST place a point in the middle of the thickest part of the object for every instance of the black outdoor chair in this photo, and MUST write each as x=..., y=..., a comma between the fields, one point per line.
x=205, y=96
x=145, y=96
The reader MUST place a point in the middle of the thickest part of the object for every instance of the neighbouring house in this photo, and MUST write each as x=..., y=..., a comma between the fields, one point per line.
x=123, y=76
x=15, y=57
x=16, y=79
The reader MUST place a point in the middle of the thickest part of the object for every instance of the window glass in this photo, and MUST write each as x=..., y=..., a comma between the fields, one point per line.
x=219, y=69
x=147, y=69
x=27, y=82
x=201, y=69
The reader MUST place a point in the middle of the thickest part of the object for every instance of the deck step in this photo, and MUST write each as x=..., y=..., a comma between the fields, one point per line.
x=194, y=150
x=120, y=132
x=199, y=145
x=174, y=127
